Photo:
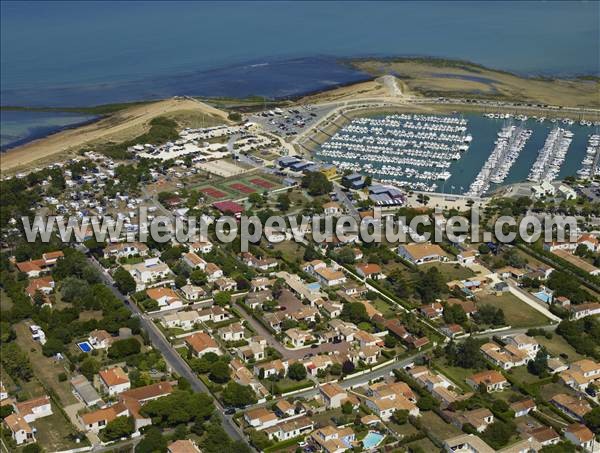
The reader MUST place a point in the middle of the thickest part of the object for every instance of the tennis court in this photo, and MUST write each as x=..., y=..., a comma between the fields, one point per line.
x=242, y=188
x=262, y=183
x=213, y=193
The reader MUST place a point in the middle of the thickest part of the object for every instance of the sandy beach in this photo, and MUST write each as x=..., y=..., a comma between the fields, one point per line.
x=122, y=125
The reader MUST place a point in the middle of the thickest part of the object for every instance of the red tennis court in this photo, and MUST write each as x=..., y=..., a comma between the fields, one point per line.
x=213, y=193
x=242, y=188
x=262, y=183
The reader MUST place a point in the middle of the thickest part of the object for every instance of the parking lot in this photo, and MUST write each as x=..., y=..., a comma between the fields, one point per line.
x=289, y=122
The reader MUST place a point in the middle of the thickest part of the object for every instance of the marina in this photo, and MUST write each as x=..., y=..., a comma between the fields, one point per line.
x=407, y=150
x=403, y=150
x=551, y=156
x=590, y=165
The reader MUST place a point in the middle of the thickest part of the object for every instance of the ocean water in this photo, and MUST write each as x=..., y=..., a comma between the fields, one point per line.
x=20, y=127
x=87, y=53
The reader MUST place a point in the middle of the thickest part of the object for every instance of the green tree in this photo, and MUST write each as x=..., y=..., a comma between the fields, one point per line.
x=389, y=341
x=153, y=442
x=354, y=312
x=400, y=416
x=297, y=371
x=222, y=298
x=124, y=281
x=15, y=361
x=426, y=403
x=219, y=372
x=539, y=365
x=316, y=183
x=592, y=419
x=238, y=395
x=89, y=367
x=454, y=314
x=178, y=407
x=198, y=278
x=123, y=348
x=52, y=347
x=562, y=447
x=119, y=427
x=498, y=434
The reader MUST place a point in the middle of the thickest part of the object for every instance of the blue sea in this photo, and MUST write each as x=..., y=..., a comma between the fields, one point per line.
x=89, y=53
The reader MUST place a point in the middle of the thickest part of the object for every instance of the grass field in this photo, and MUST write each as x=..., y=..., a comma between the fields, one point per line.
x=449, y=271
x=439, y=427
x=5, y=301
x=424, y=445
x=46, y=369
x=455, y=374
x=557, y=345
x=386, y=309
x=55, y=432
x=516, y=312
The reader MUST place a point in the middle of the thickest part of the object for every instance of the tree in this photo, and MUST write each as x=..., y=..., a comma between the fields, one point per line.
x=592, y=419
x=238, y=395
x=198, y=278
x=255, y=199
x=431, y=285
x=454, y=314
x=153, y=442
x=222, y=298
x=5, y=411
x=89, y=367
x=400, y=416
x=354, y=312
x=52, y=347
x=124, y=281
x=178, y=407
x=498, y=434
x=488, y=314
x=484, y=249
x=347, y=408
x=15, y=361
x=562, y=447
x=32, y=448
x=297, y=371
x=335, y=369
x=389, y=341
x=316, y=183
x=348, y=367
x=539, y=365
x=219, y=372
x=259, y=439
x=123, y=348
x=119, y=427
x=465, y=354
x=283, y=202
x=426, y=403
x=235, y=116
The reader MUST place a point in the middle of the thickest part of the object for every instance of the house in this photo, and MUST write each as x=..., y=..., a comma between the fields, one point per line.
x=183, y=446
x=542, y=190
x=467, y=258
x=332, y=439
x=193, y=261
x=261, y=418
x=511, y=272
x=275, y=320
x=581, y=374
x=590, y=241
x=480, y=419
x=225, y=284
x=97, y=420
x=432, y=311
x=332, y=208
x=523, y=343
x=333, y=395
x=574, y=407
x=125, y=250
x=545, y=435
x=253, y=351
x=201, y=343
x=262, y=264
x=259, y=284
x=422, y=253
x=192, y=292
x=581, y=436
x=272, y=368
x=201, y=247
x=45, y=285
x=152, y=270
x=371, y=270
x=114, y=380
x=284, y=409
x=385, y=398
x=466, y=443
x=523, y=407
x=289, y=429
x=166, y=298
x=84, y=391
x=274, y=235
x=317, y=363
x=185, y=320
x=298, y=338
x=257, y=299
x=33, y=269
x=21, y=432
x=214, y=314
x=100, y=339
x=490, y=379
x=556, y=365
x=213, y=272
x=148, y=392
x=366, y=339
x=567, y=192
x=505, y=357
x=232, y=332
x=329, y=277
x=34, y=408
x=583, y=310
x=451, y=330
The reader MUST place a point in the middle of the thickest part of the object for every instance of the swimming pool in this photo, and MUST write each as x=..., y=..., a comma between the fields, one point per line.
x=85, y=346
x=372, y=439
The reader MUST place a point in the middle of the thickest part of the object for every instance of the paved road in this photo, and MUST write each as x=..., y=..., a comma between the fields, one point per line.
x=173, y=359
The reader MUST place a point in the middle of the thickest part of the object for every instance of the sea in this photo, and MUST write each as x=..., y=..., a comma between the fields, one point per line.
x=73, y=54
